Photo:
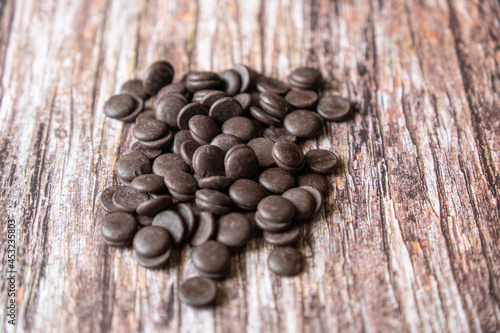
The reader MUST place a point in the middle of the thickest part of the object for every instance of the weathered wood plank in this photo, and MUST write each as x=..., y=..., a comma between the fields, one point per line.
x=408, y=239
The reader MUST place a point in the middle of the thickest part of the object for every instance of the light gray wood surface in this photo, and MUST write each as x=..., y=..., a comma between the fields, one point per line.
x=409, y=237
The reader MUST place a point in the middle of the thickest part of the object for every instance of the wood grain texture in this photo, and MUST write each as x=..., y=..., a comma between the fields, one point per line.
x=409, y=237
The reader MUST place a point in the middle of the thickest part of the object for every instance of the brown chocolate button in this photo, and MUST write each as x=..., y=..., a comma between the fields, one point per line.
x=225, y=141
x=150, y=130
x=118, y=229
x=320, y=182
x=179, y=138
x=153, y=206
x=241, y=127
x=264, y=118
x=198, y=291
x=334, y=107
x=246, y=194
x=106, y=199
x=302, y=123
x=234, y=230
x=189, y=111
x=134, y=87
x=151, y=241
x=276, y=180
x=168, y=109
x=288, y=156
x=303, y=201
x=203, y=129
x=321, y=160
x=263, y=148
x=284, y=238
x=173, y=222
x=208, y=161
x=225, y=108
x=148, y=183
x=212, y=259
x=122, y=105
x=279, y=134
x=302, y=99
x=132, y=165
x=245, y=100
x=189, y=217
x=127, y=199
x=285, y=261
x=179, y=182
x=212, y=97
x=305, y=78
x=205, y=230
x=213, y=201
x=217, y=183
x=318, y=197
x=231, y=81
x=270, y=84
x=276, y=209
x=149, y=152
x=241, y=162
x=157, y=75
x=187, y=151
x=169, y=162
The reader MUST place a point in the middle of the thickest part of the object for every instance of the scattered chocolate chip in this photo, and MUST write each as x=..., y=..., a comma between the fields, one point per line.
x=198, y=291
x=321, y=161
x=285, y=261
x=334, y=107
x=118, y=229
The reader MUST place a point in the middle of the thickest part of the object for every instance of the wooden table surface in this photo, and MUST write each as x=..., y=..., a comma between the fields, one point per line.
x=409, y=237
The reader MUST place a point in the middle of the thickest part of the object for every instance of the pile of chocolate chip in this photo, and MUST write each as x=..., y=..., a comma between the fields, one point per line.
x=216, y=163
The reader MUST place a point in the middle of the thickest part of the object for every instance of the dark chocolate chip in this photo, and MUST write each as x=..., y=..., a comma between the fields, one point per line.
x=134, y=87
x=213, y=201
x=153, y=206
x=273, y=85
x=246, y=194
x=169, y=162
x=241, y=162
x=225, y=141
x=288, y=156
x=148, y=183
x=225, y=108
x=205, y=230
x=334, y=107
x=168, y=109
x=198, y=291
x=231, y=81
x=276, y=180
x=302, y=123
x=284, y=238
x=208, y=161
x=285, y=261
x=157, y=75
x=173, y=222
x=303, y=201
x=118, y=229
x=321, y=160
x=127, y=199
x=263, y=149
x=241, y=127
x=203, y=129
x=189, y=111
x=212, y=259
x=234, y=230
x=320, y=182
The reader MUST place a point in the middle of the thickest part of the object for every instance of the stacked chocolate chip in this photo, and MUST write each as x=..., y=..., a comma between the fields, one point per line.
x=216, y=162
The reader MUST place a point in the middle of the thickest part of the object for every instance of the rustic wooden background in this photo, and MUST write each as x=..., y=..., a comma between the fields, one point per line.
x=409, y=239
